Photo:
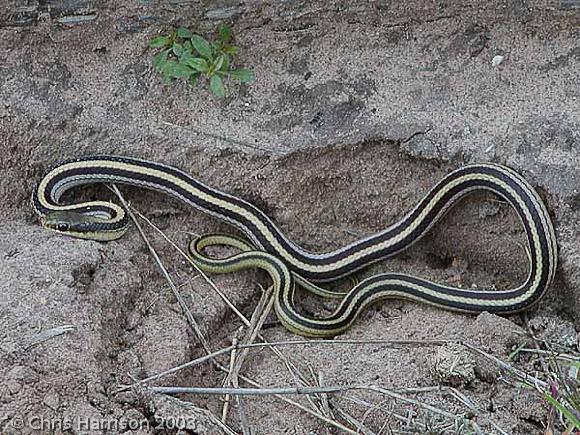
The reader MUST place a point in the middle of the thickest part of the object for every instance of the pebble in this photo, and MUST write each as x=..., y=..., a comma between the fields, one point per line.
x=13, y=386
x=497, y=60
x=75, y=19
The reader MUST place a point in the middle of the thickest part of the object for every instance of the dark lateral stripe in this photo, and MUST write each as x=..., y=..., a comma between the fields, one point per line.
x=262, y=216
x=198, y=185
x=97, y=172
x=380, y=286
x=122, y=176
x=333, y=324
x=419, y=231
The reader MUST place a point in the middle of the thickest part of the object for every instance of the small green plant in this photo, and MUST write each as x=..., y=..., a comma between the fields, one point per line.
x=185, y=55
x=564, y=396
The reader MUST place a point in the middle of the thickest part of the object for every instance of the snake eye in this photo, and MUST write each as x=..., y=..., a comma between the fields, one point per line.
x=62, y=226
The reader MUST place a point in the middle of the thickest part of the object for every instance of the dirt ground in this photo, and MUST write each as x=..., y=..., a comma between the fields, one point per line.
x=358, y=109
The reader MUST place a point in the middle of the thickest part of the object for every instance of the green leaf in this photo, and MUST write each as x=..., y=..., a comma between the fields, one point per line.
x=226, y=64
x=188, y=46
x=177, y=49
x=243, y=75
x=215, y=46
x=217, y=65
x=232, y=50
x=160, y=59
x=193, y=78
x=202, y=46
x=198, y=64
x=225, y=33
x=217, y=86
x=185, y=56
x=184, y=32
x=158, y=42
x=564, y=410
x=173, y=69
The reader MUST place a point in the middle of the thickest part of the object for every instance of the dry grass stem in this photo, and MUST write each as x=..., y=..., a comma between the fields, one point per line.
x=324, y=403
x=300, y=406
x=184, y=307
x=420, y=404
x=263, y=309
x=360, y=427
x=230, y=140
x=519, y=374
x=206, y=358
x=371, y=407
x=261, y=312
x=321, y=407
x=232, y=361
x=259, y=391
x=203, y=275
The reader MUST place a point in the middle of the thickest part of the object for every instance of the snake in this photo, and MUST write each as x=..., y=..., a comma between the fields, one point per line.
x=289, y=264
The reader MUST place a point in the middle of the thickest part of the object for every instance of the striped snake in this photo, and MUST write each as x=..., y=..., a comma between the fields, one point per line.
x=286, y=262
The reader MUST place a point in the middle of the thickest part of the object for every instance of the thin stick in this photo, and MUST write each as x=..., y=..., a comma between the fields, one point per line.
x=232, y=361
x=192, y=363
x=557, y=355
x=259, y=316
x=360, y=427
x=302, y=390
x=324, y=404
x=300, y=406
x=372, y=406
x=377, y=406
x=256, y=391
x=213, y=355
x=176, y=293
x=196, y=267
x=243, y=418
x=224, y=138
x=402, y=398
x=523, y=376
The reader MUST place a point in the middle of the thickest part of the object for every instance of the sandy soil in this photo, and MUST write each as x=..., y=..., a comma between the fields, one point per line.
x=358, y=109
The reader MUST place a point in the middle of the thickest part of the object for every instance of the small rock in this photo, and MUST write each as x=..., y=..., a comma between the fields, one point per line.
x=13, y=386
x=486, y=370
x=497, y=60
x=22, y=373
x=488, y=208
x=52, y=401
x=222, y=13
x=76, y=19
x=453, y=365
x=126, y=398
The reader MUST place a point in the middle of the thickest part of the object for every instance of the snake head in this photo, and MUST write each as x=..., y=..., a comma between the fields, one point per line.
x=75, y=224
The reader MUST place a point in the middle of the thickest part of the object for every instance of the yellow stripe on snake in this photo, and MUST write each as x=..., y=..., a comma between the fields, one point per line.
x=286, y=262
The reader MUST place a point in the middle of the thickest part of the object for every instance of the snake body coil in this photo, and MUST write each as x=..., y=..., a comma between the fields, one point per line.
x=287, y=262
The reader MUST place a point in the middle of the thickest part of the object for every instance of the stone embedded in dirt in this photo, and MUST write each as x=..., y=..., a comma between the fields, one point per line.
x=453, y=365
